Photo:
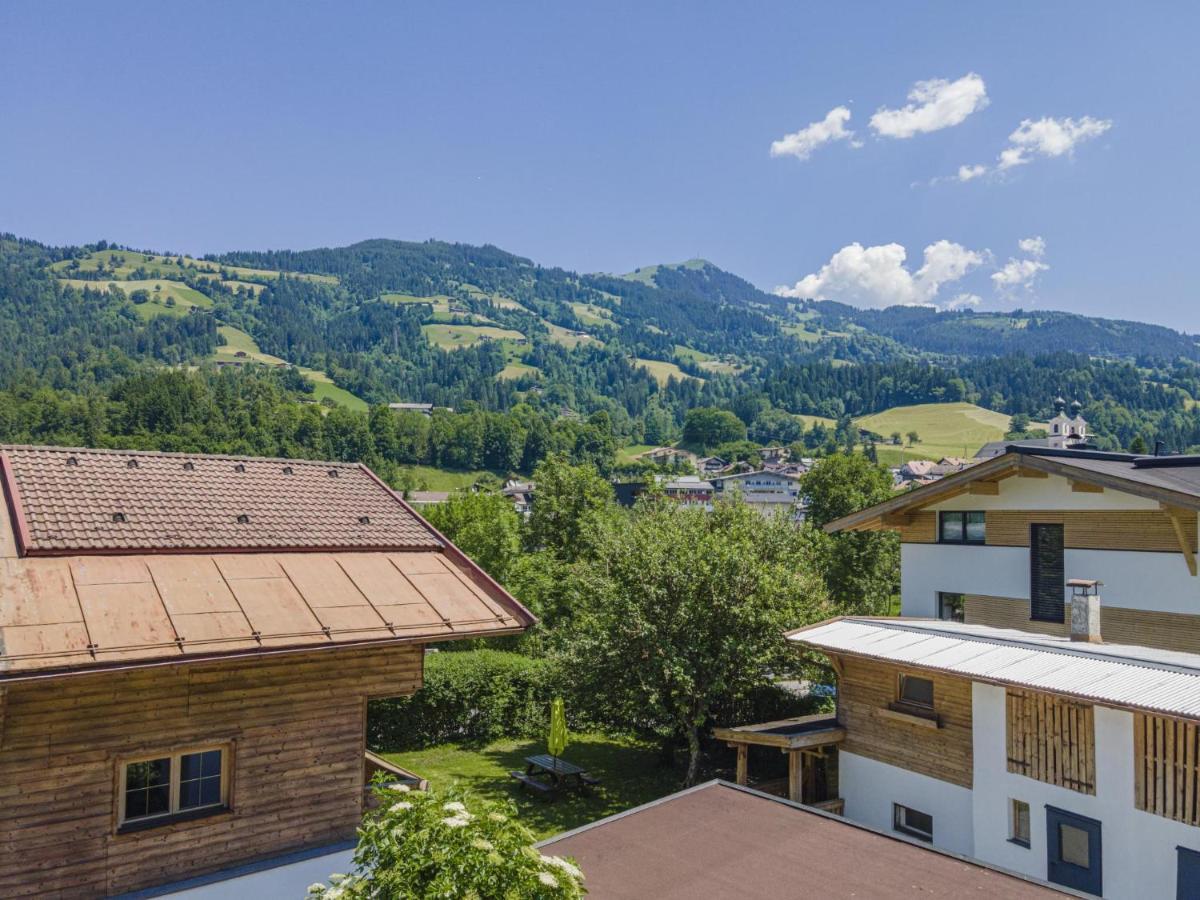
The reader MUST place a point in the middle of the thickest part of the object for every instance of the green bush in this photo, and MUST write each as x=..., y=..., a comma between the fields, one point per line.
x=419, y=844
x=474, y=696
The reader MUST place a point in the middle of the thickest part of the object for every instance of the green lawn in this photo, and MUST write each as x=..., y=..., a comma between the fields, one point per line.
x=626, y=454
x=945, y=429
x=662, y=370
x=237, y=341
x=452, y=337
x=629, y=771
x=427, y=478
x=567, y=338
x=159, y=290
x=517, y=370
x=126, y=262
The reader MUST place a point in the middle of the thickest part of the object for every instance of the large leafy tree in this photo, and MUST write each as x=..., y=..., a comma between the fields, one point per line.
x=571, y=502
x=687, y=610
x=861, y=569
x=705, y=428
x=484, y=526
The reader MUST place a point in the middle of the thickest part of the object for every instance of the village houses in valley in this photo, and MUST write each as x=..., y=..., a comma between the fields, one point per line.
x=1037, y=704
x=187, y=647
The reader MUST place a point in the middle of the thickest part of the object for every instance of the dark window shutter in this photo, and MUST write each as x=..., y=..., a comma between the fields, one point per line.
x=1047, y=582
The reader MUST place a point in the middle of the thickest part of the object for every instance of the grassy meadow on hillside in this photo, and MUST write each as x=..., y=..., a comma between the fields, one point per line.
x=945, y=429
x=238, y=342
x=451, y=337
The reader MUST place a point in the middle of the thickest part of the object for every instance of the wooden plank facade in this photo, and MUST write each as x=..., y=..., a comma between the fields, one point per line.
x=1051, y=739
x=1145, y=530
x=1139, y=627
x=867, y=689
x=1166, y=755
x=295, y=727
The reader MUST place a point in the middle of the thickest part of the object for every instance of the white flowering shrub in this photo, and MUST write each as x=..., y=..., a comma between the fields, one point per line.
x=420, y=844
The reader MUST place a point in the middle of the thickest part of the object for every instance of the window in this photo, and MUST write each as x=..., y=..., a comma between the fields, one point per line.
x=951, y=607
x=961, y=528
x=916, y=692
x=912, y=822
x=1018, y=822
x=162, y=789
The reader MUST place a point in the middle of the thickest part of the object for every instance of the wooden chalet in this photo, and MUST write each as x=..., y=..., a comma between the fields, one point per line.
x=187, y=647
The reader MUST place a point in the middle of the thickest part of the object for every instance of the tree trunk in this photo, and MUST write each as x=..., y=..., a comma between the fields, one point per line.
x=693, y=769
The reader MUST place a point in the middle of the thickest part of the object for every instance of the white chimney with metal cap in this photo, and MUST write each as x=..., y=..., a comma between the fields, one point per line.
x=1085, y=610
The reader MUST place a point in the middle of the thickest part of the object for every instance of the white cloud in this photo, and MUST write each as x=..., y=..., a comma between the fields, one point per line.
x=1018, y=275
x=877, y=276
x=936, y=104
x=1034, y=246
x=962, y=301
x=1046, y=137
x=802, y=143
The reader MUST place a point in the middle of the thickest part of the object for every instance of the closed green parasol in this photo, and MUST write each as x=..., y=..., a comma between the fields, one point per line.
x=558, y=728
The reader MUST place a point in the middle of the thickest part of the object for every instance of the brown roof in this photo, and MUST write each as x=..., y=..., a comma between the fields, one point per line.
x=107, y=501
x=719, y=840
x=77, y=593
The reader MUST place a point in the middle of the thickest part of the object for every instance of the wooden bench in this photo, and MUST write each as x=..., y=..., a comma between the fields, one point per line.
x=528, y=781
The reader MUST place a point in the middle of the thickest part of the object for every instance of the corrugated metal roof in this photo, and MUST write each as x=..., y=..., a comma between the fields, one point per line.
x=1160, y=681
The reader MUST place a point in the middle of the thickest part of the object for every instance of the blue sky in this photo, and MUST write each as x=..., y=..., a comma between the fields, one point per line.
x=605, y=136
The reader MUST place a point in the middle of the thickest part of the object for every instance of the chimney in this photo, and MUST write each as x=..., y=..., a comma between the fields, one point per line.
x=1085, y=610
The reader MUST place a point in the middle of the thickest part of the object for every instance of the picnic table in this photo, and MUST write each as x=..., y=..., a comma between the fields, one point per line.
x=561, y=773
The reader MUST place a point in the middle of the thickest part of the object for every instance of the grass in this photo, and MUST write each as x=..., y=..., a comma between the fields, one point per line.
x=427, y=478
x=945, y=429
x=452, y=337
x=590, y=314
x=626, y=454
x=237, y=341
x=567, y=338
x=439, y=302
x=518, y=370
x=662, y=370
x=159, y=290
x=126, y=262
x=629, y=771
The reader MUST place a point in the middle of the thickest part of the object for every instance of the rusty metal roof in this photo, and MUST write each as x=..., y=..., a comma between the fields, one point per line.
x=721, y=840
x=67, y=500
x=75, y=598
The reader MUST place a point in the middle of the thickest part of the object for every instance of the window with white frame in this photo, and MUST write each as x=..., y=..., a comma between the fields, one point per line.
x=160, y=788
x=912, y=822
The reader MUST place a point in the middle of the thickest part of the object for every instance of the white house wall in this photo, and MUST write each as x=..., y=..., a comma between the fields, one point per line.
x=1132, y=579
x=869, y=789
x=1138, y=849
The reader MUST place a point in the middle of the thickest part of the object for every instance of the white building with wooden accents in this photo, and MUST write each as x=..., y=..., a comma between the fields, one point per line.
x=188, y=645
x=1037, y=705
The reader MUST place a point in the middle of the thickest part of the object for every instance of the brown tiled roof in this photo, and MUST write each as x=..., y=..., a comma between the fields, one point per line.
x=117, y=500
x=719, y=840
x=178, y=582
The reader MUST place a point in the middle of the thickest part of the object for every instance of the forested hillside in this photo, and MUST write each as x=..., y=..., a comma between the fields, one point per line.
x=579, y=364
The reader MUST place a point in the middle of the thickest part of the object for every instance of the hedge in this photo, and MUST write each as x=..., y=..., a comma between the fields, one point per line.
x=472, y=696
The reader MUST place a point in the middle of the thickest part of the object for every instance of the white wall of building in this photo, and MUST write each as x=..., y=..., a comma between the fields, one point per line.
x=870, y=788
x=1132, y=579
x=1138, y=848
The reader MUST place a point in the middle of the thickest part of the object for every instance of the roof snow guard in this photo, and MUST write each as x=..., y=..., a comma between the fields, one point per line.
x=112, y=559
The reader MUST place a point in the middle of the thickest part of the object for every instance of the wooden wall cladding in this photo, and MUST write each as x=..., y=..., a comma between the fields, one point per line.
x=867, y=687
x=1051, y=739
x=1083, y=530
x=1118, y=625
x=1166, y=755
x=296, y=726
